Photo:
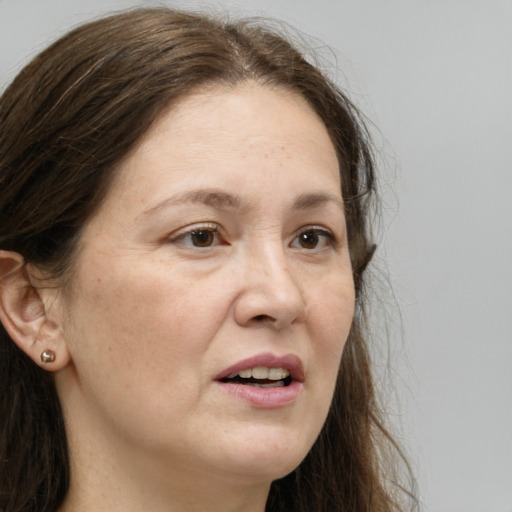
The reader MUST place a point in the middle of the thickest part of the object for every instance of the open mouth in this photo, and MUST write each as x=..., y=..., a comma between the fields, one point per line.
x=265, y=381
x=261, y=377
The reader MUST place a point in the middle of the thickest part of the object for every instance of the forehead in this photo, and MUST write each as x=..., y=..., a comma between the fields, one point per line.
x=244, y=110
x=231, y=136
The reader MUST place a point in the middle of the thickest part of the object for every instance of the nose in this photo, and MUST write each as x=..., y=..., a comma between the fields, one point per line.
x=270, y=294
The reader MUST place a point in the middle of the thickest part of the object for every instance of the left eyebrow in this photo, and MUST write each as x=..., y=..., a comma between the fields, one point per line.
x=315, y=200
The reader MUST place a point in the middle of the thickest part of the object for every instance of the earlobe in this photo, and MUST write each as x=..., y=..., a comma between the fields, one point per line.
x=24, y=317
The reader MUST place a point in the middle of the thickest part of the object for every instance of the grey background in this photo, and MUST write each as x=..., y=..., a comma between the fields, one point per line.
x=436, y=79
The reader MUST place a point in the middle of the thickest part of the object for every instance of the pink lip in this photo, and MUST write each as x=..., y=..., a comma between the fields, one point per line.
x=266, y=398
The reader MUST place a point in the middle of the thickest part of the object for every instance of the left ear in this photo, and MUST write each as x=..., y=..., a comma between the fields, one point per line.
x=25, y=314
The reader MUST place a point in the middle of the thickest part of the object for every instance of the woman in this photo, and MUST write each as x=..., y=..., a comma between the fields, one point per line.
x=184, y=233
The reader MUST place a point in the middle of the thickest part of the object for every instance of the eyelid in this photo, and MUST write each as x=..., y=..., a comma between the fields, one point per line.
x=322, y=231
x=181, y=234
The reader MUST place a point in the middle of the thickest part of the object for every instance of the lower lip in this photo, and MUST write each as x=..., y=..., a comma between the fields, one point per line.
x=265, y=398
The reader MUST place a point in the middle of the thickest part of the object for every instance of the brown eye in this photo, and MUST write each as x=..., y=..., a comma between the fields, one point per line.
x=314, y=238
x=309, y=239
x=202, y=237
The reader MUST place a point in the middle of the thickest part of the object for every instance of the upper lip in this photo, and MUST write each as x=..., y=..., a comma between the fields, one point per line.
x=289, y=362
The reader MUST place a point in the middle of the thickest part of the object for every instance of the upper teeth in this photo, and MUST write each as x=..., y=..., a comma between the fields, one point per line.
x=261, y=372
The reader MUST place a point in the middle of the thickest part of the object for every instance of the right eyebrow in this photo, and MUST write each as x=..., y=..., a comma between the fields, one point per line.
x=209, y=197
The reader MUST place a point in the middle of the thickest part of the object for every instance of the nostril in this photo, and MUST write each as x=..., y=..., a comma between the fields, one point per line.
x=261, y=318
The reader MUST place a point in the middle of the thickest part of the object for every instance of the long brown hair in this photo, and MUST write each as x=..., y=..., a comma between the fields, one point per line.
x=66, y=120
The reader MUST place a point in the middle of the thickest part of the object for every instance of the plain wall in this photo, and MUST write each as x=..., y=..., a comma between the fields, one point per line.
x=436, y=78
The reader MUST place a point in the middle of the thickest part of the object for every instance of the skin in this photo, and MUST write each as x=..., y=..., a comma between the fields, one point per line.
x=151, y=318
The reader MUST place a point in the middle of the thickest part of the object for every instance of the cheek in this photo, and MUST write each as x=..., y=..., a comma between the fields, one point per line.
x=332, y=307
x=138, y=343
x=138, y=315
x=331, y=313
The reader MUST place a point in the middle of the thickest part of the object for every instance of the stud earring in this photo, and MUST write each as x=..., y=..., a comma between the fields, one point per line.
x=47, y=356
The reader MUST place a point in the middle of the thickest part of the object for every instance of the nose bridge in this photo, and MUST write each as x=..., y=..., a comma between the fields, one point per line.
x=275, y=268
x=271, y=290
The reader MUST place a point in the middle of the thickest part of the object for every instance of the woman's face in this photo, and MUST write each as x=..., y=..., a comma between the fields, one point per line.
x=213, y=292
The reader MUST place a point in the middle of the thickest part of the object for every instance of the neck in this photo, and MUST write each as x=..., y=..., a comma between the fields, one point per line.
x=118, y=484
x=117, y=493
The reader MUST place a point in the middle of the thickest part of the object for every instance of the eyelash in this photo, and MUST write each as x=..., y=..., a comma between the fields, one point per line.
x=327, y=235
x=213, y=230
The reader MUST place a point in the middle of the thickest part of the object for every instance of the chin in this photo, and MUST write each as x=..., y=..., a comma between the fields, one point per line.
x=268, y=457
x=267, y=470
